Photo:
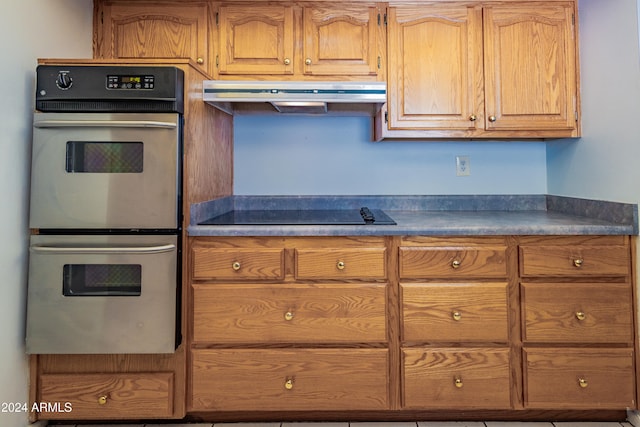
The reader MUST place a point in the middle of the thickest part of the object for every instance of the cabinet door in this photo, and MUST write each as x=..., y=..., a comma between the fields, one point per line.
x=435, y=67
x=341, y=40
x=256, y=39
x=155, y=30
x=530, y=67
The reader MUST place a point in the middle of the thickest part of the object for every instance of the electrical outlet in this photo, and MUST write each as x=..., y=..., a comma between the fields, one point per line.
x=463, y=166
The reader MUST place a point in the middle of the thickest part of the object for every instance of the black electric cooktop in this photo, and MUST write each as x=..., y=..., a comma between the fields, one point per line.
x=363, y=216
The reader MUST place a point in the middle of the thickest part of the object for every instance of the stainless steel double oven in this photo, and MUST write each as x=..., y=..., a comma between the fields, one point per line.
x=104, y=267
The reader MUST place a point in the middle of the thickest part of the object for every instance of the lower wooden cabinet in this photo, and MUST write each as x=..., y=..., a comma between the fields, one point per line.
x=108, y=396
x=289, y=379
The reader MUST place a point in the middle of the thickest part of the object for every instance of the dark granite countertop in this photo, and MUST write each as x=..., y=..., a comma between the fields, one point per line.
x=432, y=215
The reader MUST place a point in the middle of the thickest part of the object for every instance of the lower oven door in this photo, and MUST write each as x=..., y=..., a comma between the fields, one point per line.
x=105, y=170
x=99, y=294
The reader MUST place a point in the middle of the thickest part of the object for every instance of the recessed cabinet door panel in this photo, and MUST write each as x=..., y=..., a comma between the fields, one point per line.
x=340, y=40
x=530, y=67
x=256, y=40
x=435, y=67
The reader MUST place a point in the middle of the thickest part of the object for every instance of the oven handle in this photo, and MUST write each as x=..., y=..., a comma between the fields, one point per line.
x=104, y=123
x=103, y=250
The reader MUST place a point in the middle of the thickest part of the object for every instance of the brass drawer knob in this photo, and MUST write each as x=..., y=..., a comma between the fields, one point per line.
x=583, y=383
x=102, y=400
x=492, y=119
x=473, y=117
x=581, y=315
x=288, y=384
x=458, y=382
x=307, y=61
x=455, y=263
x=200, y=61
x=578, y=262
x=340, y=265
x=456, y=315
x=236, y=266
x=287, y=61
x=288, y=316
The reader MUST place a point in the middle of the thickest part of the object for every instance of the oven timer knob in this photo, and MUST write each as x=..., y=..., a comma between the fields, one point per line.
x=64, y=81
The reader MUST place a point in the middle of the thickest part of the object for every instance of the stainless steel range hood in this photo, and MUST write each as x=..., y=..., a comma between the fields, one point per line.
x=308, y=97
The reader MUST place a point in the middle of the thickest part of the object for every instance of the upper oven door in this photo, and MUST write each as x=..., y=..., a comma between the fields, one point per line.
x=105, y=170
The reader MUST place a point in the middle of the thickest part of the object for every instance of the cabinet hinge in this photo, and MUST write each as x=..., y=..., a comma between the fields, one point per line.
x=573, y=19
x=576, y=115
x=379, y=62
x=386, y=117
x=378, y=20
x=217, y=14
x=385, y=19
x=102, y=17
x=217, y=62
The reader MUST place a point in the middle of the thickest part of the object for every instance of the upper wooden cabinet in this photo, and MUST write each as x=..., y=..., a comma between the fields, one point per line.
x=482, y=70
x=280, y=41
x=162, y=30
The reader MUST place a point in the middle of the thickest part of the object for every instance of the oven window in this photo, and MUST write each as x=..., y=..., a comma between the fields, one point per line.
x=104, y=157
x=102, y=280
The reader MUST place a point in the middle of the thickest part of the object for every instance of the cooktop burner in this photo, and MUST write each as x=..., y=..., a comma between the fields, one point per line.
x=363, y=216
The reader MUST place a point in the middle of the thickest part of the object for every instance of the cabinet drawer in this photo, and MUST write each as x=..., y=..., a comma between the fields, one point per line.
x=427, y=262
x=289, y=379
x=454, y=312
x=290, y=313
x=238, y=263
x=456, y=378
x=577, y=312
x=108, y=396
x=579, y=378
x=341, y=263
x=574, y=260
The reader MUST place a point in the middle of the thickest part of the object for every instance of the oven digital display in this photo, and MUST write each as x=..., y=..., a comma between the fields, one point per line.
x=130, y=82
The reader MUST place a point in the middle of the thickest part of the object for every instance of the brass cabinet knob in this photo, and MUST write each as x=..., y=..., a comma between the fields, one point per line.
x=455, y=263
x=288, y=316
x=288, y=384
x=473, y=117
x=458, y=382
x=583, y=383
x=578, y=262
x=492, y=119
x=102, y=400
x=307, y=61
x=456, y=315
x=200, y=60
x=340, y=265
x=287, y=61
x=581, y=315
x=236, y=266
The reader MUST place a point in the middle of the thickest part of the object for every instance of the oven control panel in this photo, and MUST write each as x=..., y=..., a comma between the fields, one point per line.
x=130, y=82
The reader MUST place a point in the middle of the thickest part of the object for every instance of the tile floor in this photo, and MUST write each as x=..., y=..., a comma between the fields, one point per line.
x=379, y=424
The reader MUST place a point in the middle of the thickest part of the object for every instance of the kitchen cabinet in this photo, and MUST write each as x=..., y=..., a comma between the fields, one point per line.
x=577, y=323
x=154, y=29
x=311, y=40
x=482, y=70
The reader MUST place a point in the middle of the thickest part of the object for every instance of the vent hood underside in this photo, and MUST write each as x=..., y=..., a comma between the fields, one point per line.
x=309, y=97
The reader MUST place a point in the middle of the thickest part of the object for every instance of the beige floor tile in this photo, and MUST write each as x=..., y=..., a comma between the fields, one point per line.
x=383, y=424
x=450, y=424
x=586, y=424
x=181, y=425
x=517, y=424
x=246, y=424
x=315, y=424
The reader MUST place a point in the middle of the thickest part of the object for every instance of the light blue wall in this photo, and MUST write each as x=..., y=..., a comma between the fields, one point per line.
x=29, y=29
x=604, y=163
x=286, y=154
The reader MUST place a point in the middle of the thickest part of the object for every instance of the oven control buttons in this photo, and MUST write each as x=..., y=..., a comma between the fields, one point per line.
x=64, y=80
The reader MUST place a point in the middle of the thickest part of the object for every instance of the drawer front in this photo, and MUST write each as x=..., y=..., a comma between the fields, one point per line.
x=574, y=260
x=427, y=262
x=238, y=263
x=340, y=263
x=456, y=378
x=108, y=396
x=282, y=379
x=319, y=313
x=579, y=378
x=455, y=312
x=577, y=312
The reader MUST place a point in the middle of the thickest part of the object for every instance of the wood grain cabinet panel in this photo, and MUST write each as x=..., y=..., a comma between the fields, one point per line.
x=238, y=263
x=109, y=395
x=289, y=313
x=452, y=262
x=289, y=379
x=455, y=312
x=577, y=312
x=579, y=378
x=365, y=263
x=574, y=261
x=461, y=378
